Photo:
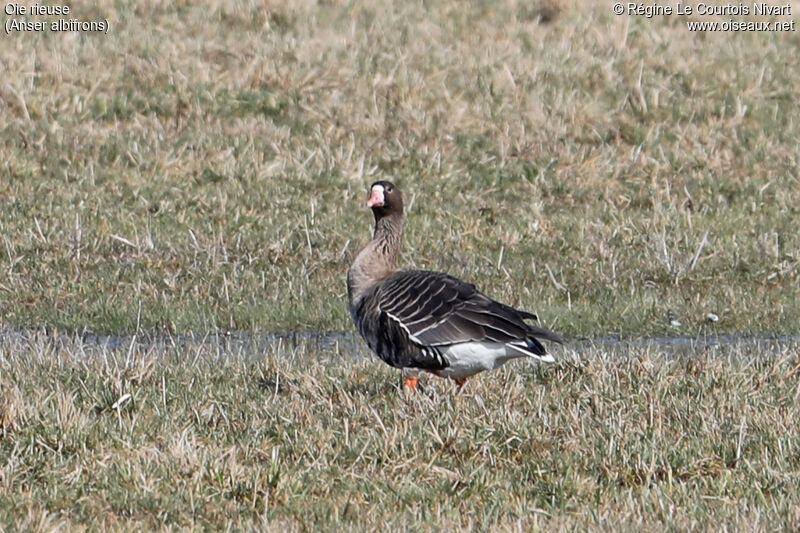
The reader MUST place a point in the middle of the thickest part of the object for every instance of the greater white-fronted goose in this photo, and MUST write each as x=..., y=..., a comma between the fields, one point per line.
x=419, y=320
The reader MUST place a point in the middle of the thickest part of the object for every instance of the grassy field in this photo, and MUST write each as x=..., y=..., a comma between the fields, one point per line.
x=215, y=435
x=204, y=168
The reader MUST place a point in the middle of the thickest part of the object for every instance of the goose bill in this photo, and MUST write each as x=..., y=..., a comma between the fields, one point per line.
x=376, y=198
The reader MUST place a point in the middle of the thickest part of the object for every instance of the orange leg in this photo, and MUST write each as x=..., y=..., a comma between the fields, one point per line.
x=412, y=383
x=460, y=382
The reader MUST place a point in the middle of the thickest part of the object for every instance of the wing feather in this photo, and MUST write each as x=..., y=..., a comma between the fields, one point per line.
x=435, y=309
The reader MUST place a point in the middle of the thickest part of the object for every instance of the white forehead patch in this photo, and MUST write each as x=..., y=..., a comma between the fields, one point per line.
x=377, y=188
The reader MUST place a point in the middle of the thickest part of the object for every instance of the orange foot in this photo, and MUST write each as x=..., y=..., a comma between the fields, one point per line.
x=460, y=382
x=412, y=383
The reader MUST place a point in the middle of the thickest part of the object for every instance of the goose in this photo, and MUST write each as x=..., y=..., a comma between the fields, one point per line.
x=425, y=321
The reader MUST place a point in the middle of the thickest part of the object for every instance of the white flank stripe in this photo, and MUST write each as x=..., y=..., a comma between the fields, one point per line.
x=405, y=328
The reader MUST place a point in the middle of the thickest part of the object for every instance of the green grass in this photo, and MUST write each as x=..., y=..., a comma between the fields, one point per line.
x=205, y=167
x=222, y=436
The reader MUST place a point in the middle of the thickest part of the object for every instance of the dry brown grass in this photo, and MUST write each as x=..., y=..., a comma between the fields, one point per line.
x=217, y=434
x=203, y=167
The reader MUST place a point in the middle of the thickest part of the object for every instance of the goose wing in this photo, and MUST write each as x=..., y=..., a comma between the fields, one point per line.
x=436, y=309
